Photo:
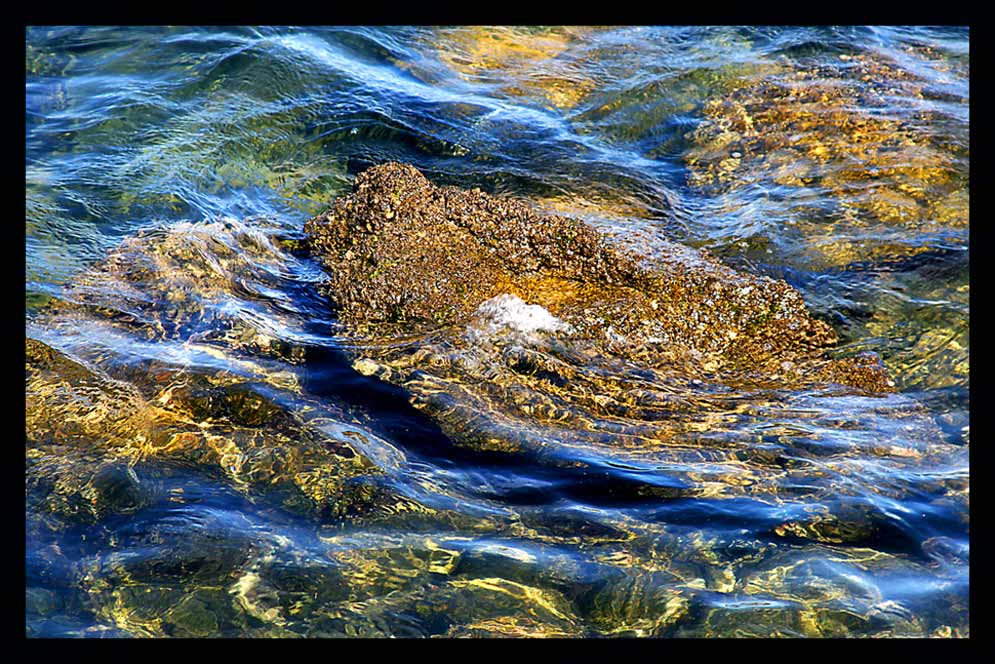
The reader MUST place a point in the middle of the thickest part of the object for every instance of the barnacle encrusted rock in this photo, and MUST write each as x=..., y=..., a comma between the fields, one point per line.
x=406, y=257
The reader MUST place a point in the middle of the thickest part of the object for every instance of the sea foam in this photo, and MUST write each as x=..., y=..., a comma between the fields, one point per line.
x=510, y=312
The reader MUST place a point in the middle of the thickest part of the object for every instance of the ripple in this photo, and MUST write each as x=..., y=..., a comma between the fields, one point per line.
x=205, y=456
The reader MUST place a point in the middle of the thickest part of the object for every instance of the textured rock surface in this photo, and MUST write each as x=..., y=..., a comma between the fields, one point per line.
x=406, y=257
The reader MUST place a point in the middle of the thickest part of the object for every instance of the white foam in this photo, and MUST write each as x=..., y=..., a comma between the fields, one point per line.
x=511, y=312
x=251, y=592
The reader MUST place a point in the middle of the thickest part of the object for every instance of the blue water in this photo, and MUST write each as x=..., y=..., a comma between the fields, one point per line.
x=182, y=152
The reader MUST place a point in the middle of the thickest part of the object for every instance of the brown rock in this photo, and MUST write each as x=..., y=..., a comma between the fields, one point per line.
x=406, y=257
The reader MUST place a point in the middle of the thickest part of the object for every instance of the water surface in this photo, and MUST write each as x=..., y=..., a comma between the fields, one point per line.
x=205, y=459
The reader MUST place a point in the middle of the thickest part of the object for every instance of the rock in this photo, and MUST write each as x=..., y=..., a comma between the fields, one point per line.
x=85, y=431
x=533, y=334
x=447, y=256
x=857, y=183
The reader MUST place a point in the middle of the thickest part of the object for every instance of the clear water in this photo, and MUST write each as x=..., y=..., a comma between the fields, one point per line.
x=169, y=173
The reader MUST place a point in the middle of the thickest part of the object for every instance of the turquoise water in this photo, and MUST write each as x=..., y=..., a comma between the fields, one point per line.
x=188, y=159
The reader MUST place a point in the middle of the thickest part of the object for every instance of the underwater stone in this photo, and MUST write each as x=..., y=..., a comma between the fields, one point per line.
x=85, y=429
x=855, y=182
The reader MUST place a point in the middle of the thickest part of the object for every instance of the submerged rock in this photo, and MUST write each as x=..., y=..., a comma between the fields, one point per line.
x=848, y=154
x=534, y=64
x=86, y=431
x=515, y=331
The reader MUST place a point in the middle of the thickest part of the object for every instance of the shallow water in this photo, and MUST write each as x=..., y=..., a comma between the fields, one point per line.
x=207, y=456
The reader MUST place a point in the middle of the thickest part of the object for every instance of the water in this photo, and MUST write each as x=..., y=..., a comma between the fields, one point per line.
x=206, y=456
